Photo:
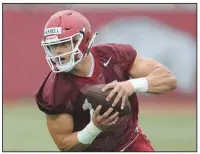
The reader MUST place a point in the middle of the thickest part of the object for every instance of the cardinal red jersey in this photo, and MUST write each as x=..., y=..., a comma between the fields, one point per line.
x=60, y=93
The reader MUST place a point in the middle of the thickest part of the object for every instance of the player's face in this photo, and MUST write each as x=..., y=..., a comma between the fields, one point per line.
x=62, y=48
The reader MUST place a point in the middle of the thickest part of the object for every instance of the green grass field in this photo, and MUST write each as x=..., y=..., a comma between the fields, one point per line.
x=24, y=128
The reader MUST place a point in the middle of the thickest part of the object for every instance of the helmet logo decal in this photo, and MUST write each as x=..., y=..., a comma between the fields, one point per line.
x=52, y=31
x=52, y=38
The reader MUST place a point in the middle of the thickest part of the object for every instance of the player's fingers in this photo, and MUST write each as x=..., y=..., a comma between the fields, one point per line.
x=107, y=113
x=118, y=97
x=112, y=93
x=109, y=85
x=124, y=97
x=114, y=121
x=112, y=117
x=97, y=111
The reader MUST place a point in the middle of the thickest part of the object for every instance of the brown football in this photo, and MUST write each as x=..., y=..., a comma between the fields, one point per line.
x=96, y=97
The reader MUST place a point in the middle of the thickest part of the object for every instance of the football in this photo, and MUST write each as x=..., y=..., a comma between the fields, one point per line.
x=96, y=97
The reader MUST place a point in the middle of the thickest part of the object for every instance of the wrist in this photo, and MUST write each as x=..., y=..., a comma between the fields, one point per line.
x=88, y=134
x=139, y=84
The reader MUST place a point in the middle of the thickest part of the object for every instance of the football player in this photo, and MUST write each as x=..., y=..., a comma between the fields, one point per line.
x=75, y=63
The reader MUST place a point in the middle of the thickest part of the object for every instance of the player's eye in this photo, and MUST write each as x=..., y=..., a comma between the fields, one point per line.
x=62, y=44
x=52, y=48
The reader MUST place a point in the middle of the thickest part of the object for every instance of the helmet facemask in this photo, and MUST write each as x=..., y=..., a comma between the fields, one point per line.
x=58, y=63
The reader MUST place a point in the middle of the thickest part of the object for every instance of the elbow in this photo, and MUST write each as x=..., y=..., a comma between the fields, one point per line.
x=171, y=85
x=173, y=82
x=62, y=149
x=66, y=149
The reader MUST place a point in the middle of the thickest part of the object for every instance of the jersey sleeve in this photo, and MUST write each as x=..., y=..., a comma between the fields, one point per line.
x=126, y=54
x=53, y=97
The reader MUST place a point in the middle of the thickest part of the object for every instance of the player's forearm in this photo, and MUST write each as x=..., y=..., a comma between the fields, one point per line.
x=71, y=143
x=78, y=141
x=160, y=81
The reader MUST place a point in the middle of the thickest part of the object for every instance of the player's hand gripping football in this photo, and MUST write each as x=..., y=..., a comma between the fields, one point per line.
x=123, y=89
x=105, y=120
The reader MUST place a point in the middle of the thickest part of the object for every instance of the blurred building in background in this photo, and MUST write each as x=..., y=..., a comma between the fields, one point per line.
x=164, y=32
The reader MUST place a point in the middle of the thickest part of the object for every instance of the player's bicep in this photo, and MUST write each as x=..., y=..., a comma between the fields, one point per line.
x=142, y=67
x=59, y=126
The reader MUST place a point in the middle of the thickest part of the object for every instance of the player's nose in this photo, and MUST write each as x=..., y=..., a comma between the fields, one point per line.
x=58, y=51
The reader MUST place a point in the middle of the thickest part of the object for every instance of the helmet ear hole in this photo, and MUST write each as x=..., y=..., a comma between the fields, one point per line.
x=82, y=32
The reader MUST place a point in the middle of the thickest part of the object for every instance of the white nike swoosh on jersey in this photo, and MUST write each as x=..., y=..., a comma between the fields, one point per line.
x=105, y=64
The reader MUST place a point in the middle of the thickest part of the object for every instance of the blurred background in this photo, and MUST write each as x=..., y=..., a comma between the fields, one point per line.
x=164, y=32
